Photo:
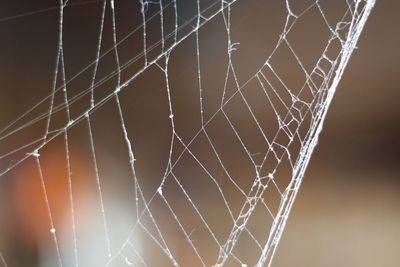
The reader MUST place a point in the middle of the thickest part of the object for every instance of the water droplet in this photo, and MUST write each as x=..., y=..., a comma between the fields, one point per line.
x=159, y=190
x=34, y=154
x=53, y=230
x=128, y=262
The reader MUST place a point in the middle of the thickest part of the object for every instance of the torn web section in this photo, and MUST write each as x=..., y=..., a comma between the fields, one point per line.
x=178, y=139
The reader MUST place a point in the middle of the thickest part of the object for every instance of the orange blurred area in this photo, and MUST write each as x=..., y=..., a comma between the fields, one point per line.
x=29, y=191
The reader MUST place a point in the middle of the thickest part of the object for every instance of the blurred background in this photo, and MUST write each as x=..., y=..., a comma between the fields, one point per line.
x=346, y=212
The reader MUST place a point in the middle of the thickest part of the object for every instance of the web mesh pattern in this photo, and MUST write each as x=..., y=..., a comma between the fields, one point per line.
x=211, y=109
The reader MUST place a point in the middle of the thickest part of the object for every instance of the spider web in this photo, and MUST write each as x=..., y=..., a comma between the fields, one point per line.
x=208, y=111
